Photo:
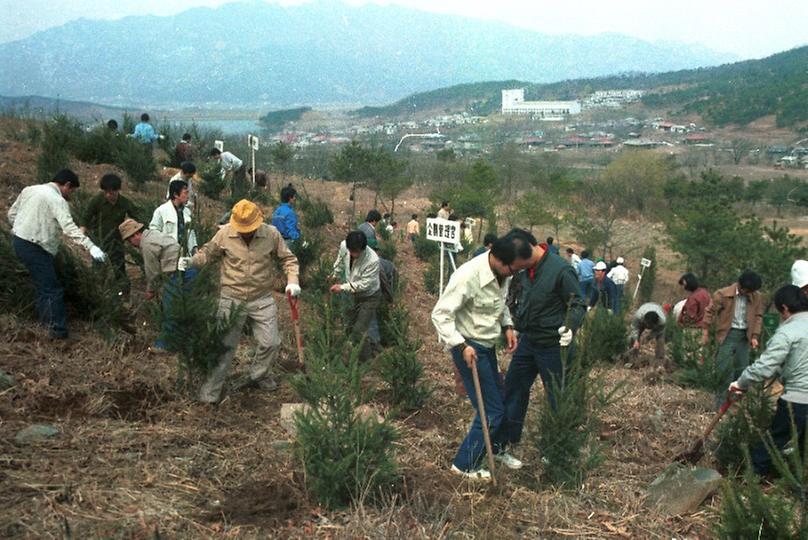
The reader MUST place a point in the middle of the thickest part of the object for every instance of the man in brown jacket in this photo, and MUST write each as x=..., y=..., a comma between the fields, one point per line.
x=737, y=312
x=160, y=252
x=248, y=248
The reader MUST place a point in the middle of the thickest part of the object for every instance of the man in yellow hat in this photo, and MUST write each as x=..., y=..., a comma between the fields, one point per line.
x=248, y=248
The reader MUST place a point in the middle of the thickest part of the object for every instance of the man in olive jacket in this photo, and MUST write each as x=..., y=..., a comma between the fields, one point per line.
x=548, y=310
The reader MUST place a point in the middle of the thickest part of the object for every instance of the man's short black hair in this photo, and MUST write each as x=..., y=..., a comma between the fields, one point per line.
x=186, y=137
x=66, y=176
x=651, y=319
x=386, y=216
x=444, y=204
x=175, y=188
x=690, y=281
x=287, y=193
x=215, y=152
x=144, y=117
x=504, y=250
x=750, y=281
x=570, y=251
x=791, y=297
x=110, y=182
x=356, y=241
x=524, y=242
x=489, y=239
x=187, y=167
x=415, y=216
x=373, y=216
x=549, y=240
x=112, y=124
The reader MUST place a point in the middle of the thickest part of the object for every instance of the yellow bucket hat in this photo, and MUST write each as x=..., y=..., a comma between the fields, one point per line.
x=246, y=216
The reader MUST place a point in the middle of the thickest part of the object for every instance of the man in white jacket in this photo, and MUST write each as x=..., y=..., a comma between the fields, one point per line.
x=38, y=218
x=620, y=276
x=166, y=218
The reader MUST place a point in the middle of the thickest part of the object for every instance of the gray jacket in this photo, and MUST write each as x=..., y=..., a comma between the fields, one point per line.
x=786, y=355
x=638, y=326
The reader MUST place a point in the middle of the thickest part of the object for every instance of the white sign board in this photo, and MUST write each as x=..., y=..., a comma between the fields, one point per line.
x=252, y=142
x=645, y=262
x=219, y=145
x=443, y=230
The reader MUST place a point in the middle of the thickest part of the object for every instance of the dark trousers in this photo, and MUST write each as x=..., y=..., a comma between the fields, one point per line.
x=587, y=286
x=50, y=296
x=780, y=431
x=117, y=257
x=176, y=284
x=360, y=318
x=471, y=453
x=528, y=361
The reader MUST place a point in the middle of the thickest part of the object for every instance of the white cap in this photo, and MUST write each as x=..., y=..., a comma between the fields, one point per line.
x=799, y=273
x=600, y=265
x=620, y=260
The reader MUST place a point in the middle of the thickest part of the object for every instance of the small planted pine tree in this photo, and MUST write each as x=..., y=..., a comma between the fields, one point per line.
x=387, y=249
x=60, y=136
x=191, y=325
x=743, y=430
x=425, y=249
x=602, y=338
x=398, y=366
x=699, y=366
x=779, y=512
x=17, y=293
x=100, y=145
x=136, y=162
x=345, y=456
x=648, y=276
x=316, y=213
x=212, y=181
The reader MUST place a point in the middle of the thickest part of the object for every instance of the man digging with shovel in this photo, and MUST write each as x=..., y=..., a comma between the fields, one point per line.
x=469, y=318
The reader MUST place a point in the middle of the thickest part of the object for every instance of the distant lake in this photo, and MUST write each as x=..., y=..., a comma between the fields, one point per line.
x=228, y=126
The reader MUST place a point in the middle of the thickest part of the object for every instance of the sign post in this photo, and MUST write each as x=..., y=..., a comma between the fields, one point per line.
x=448, y=234
x=644, y=263
x=252, y=142
x=219, y=145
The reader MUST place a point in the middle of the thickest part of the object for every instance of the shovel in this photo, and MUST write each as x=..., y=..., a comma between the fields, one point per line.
x=296, y=321
x=693, y=455
x=484, y=420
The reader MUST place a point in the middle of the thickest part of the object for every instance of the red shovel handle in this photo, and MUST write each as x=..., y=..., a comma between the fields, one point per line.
x=293, y=306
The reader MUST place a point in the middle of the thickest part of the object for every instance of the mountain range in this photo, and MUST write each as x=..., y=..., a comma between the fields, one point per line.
x=320, y=53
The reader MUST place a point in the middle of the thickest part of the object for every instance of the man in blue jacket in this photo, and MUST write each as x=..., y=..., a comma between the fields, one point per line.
x=285, y=219
x=604, y=291
x=586, y=274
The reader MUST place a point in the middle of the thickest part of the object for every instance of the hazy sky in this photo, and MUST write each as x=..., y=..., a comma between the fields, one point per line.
x=748, y=29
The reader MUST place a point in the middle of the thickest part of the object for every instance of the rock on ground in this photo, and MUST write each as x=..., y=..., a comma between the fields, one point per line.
x=680, y=489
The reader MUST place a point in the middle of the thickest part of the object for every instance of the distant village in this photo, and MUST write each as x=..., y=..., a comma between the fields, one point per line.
x=561, y=129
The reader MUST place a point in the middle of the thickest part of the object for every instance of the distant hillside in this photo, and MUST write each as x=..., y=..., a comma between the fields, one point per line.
x=39, y=106
x=732, y=93
x=324, y=52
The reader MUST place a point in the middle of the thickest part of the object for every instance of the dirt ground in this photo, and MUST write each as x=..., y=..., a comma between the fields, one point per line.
x=135, y=458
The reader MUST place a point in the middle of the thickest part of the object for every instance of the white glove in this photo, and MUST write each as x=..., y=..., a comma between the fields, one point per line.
x=305, y=244
x=97, y=254
x=566, y=336
x=183, y=263
x=293, y=289
x=735, y=388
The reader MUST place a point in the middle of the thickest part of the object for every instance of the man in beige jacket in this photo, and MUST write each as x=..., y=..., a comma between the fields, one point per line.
x=248, y=249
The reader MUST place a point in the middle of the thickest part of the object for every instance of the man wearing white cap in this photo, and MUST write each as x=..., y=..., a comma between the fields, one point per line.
x=799, y=275
x=604, y=291
x=619, y=276
x=248, y=249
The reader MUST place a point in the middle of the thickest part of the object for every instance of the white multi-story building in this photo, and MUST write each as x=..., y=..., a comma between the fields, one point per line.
x=513, y=102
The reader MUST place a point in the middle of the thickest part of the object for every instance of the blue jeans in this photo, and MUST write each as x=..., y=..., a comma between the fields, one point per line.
x=527, y=362
x=50, y=296
x=619, y=290
x=586, y=289
x=471, y=453
x=780, y=431
x=170, y=290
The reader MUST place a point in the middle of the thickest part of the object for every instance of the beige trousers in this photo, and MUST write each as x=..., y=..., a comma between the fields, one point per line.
x=263, y=315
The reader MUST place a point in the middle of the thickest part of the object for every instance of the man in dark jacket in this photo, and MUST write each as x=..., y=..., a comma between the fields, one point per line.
x=549, y=309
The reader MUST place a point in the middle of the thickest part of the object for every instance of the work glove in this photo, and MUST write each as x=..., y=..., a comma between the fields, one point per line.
x=293, y=289
x=98, y=254
x=565, y=336
x=183, y=264
x=735, y=388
